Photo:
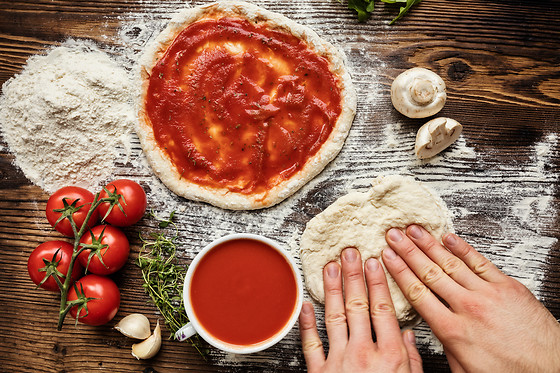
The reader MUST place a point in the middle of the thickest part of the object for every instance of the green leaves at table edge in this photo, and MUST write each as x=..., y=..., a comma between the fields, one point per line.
x=364, y=8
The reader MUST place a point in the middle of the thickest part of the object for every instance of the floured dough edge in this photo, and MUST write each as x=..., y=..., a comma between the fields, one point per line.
x=222, y=197
x=338, y=227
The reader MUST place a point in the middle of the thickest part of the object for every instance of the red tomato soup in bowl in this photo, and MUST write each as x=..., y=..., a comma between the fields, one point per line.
x=244, y=293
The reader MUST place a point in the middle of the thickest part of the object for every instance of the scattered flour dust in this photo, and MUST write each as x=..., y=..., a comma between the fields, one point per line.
x=93, y=113
x=65, y=115
x=520, y=245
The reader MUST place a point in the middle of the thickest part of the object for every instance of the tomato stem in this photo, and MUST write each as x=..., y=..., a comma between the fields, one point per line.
x=51, y=269
x=64, y=306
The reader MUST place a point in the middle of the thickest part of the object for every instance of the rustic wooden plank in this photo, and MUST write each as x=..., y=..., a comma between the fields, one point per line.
x=501, y=68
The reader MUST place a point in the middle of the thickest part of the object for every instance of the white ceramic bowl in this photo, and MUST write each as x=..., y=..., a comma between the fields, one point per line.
x=194, y=326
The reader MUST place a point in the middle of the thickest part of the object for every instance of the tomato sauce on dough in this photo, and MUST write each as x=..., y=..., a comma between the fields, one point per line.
x=241, y=106
x=243, y=292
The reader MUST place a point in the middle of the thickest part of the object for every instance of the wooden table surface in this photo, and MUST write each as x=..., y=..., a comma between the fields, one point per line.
x=501, y=63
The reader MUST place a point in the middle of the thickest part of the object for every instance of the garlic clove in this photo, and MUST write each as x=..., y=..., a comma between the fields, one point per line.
x=150, y=347
x=135, y=326
x=435, y=136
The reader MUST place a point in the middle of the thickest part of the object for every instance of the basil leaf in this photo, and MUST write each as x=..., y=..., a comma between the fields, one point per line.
x=403, y=9
x=363, y=7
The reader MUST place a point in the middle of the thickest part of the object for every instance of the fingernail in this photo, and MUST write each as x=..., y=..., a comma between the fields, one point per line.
x=395, y=234
x=389, y=253
x=350, y=255
x=332, y=270
x=450, y=239
x=415, y=231
x=372, y=264
x=410, y=336
x=307, y=308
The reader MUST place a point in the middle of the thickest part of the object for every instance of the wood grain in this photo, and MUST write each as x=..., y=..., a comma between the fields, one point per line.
x=500, y=62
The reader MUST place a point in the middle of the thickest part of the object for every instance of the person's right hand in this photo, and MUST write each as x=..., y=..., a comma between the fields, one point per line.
x=489, y=322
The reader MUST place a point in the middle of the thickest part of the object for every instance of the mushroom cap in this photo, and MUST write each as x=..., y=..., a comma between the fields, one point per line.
x=436, y=135
x=418, y=93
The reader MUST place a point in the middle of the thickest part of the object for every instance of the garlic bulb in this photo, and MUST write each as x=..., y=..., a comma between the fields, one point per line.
x=150, y=347
x=418, y=93
x=135, y=326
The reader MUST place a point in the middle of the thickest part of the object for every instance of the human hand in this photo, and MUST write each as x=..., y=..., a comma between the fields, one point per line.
x=349, y=320
x=491, y=323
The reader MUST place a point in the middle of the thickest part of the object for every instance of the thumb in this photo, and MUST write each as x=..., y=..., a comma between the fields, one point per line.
x=413, y=354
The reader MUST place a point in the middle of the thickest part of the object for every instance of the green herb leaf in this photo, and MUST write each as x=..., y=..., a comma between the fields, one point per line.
x=163, y=277
x=363, y=7
x=403, y=9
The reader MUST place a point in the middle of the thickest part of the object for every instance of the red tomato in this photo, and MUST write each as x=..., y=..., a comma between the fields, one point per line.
x=112, y=246
x=70, y=194
x=132, y=199
x=60, y=254
x=103, y=308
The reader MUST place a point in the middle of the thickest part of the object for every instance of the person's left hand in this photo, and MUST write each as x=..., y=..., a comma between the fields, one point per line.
x=349, y=319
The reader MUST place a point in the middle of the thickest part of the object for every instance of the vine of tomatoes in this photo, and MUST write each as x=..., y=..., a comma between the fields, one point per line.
x=101, y=249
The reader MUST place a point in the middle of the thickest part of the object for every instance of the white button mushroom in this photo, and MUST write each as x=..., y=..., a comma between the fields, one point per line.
x=418, y=93
x=436, y=135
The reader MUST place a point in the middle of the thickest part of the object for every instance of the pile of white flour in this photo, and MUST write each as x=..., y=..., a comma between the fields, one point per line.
x=66, y=114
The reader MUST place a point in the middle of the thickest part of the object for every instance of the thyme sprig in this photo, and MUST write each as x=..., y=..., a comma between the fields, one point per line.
x=163, y=277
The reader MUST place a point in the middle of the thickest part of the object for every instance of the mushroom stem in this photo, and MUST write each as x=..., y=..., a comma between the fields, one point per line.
x=422, y=91
x=418, y=93
x=435, y=136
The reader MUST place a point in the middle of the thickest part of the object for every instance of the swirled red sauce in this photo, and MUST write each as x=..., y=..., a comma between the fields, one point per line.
x=240, y=106
x=243, y=292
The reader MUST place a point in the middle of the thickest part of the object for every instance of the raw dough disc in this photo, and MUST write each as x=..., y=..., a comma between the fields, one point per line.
x=240, y=106
x=360, y=220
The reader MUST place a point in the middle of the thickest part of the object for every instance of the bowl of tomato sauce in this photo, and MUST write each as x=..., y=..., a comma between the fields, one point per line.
x=243, y=293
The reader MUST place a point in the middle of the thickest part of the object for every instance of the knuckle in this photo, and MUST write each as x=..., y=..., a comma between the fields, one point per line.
x=396, y=269
x=396, y=356
x=409, y=250
x=416, y=358
x=311, y=345
x=452, y=330
x=362, y=354
x=473, y=307
x=476, y=308
x=382, y=309
x=518, y=288
x=333, y=292
x=373, y=283
x=307, y=324
x=354, y=275
x=417, y=292
x=451, y=265
x=463, y=249
x=510, y=288
x=335, y=318
x=429, y=245
x=431, y=275
x=482, y=266
x=356, y=305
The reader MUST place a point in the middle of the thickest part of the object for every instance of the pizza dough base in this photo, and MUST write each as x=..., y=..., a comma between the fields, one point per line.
x=164, y=168
x=360, y=220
